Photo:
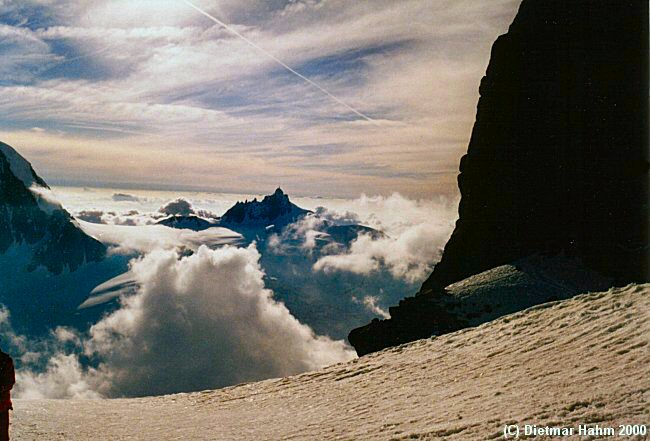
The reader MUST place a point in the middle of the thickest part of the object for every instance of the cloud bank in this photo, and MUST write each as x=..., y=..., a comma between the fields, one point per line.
x=204, y=321
x=414, y=234
x=410, y=256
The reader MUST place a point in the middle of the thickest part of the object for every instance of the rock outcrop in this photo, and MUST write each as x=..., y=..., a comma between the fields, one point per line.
x=557, y=163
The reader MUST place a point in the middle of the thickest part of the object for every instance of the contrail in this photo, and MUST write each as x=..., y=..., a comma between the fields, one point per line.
x=277, y=60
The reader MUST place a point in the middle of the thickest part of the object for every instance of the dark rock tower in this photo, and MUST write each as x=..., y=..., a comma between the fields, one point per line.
x=558, y=159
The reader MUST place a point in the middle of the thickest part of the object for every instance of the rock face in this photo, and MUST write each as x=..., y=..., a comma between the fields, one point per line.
x=557, y=161
x=28, y=217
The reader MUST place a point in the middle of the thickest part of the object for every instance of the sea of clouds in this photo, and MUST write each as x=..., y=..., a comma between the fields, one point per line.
x=206, y=319
x=202, y=321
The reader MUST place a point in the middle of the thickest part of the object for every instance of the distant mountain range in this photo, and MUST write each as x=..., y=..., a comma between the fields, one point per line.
x=271, y=215
x=188, y=222
x=51, y=266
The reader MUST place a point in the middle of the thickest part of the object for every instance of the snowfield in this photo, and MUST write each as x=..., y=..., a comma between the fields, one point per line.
x=579, y=361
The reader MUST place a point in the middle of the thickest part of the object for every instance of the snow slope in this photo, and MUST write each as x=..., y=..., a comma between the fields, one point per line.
x=579, y=361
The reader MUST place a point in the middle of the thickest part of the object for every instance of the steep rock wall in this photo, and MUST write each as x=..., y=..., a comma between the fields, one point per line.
x=557, y=161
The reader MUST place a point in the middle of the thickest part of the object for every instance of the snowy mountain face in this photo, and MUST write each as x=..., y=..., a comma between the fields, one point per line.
x=275, y=209
x=28, y=216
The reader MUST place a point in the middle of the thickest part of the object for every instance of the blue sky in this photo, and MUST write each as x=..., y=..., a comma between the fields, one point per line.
x=151, y=92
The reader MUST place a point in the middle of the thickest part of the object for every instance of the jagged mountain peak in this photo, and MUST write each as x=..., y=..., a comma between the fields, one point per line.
x=275, y=209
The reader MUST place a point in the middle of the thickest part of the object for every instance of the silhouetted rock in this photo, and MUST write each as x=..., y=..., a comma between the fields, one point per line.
x=557, y=161
x=275, y=209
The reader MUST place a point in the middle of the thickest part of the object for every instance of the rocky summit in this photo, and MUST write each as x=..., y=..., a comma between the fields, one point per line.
x=275, y=209
x=557, y=163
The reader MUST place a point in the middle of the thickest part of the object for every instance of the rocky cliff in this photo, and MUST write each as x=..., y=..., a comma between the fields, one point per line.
x=557, y=161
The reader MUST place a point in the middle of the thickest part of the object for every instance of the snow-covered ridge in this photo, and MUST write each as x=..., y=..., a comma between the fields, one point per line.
x=583, y=360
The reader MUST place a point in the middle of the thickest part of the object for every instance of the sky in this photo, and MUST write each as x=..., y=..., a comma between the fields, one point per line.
x=322, y=97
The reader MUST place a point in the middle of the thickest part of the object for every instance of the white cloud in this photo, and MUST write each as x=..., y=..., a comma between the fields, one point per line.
x=201, y=322
x=146, y=238
x=309, y=229
x=371, y=303
x=64, y=377
x=129, y=218
x=416, y=232
x=410, y=256
x=204, y=321
x=170, y=78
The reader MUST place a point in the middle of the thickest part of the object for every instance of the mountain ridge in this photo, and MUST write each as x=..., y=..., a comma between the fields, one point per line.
x=28, y=216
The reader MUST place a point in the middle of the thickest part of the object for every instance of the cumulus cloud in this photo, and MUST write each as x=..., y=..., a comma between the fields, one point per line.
x=199, y=322
x=64, y=377
x=47, y=367
x=310, y=231
x=180, y=207
x=407, y=240
x=410, y=256
x=203, y=321
x=183, y=207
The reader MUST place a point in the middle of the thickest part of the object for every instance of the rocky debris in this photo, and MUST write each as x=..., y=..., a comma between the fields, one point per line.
x=557, y=163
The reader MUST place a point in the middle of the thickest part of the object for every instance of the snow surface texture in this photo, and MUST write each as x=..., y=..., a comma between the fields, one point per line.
x=580, y=361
